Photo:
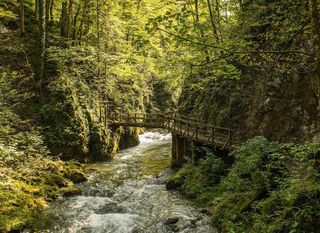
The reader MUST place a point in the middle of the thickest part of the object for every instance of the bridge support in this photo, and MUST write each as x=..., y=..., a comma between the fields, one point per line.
x=181, y=150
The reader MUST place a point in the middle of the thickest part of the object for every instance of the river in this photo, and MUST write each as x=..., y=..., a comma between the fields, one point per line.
x=128, y=195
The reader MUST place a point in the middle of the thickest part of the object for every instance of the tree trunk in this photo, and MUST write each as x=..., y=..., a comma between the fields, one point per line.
x=219, y=18
x=36, y=10
x=51, y=10
x=213, y=25
x=84, y=13
x=63, y=19
x=315, y=26
x=43, y=35
x=48, y=3
x=70, y=19
x=74, y=32
x=98, y=35
x=21, y=18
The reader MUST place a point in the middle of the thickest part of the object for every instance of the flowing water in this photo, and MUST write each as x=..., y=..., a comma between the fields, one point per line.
x=127, y=195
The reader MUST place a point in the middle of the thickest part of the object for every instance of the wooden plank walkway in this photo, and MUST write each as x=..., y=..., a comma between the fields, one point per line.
x=187, y=127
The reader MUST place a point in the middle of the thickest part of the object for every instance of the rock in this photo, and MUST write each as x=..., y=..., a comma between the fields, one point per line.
x=171, y=221
x=76, y=176
x=194, y=221
x=71, y=191
x=170, y=185
x=174, y=228
x=54, y=179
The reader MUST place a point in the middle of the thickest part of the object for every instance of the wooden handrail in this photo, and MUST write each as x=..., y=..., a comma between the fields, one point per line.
x=186, y=126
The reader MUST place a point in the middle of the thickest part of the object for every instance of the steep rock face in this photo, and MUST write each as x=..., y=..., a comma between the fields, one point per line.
x=281, y=108
x=129, y=138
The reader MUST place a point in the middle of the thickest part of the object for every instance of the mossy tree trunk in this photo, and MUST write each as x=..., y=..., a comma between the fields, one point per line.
x=21, y=17
x=315, y=27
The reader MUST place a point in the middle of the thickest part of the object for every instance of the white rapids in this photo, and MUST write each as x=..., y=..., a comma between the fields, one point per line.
x=128, y=195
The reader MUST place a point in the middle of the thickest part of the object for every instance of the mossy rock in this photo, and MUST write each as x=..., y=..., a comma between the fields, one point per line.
x=174, y=183
x=71, y=191
x=55, y=180
x=76, y=176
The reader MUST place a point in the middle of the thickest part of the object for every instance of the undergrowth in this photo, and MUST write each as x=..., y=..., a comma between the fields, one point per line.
x=270, y=187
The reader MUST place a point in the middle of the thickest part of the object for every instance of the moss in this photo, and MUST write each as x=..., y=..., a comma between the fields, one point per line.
x=22, y=197
x=71, y=191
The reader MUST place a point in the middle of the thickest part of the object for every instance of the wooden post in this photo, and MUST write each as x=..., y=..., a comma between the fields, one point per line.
x=135, y=117
x=230, y=138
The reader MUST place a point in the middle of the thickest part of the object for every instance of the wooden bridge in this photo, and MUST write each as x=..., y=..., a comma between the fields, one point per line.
x=186, y=127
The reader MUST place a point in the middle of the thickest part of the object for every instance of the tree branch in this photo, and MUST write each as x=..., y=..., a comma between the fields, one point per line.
x=235, y=52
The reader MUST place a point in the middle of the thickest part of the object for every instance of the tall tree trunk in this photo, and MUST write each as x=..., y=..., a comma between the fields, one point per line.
x=70, y=19
x=51, y=10
x=213, y=25
x=63, y=19
x=219, y=18
x=43, y=35
x=98, y=35
x=36, y=10
x=74, y=32
x=48, y=3
x=315, y=26
x=84, y=13
x=21, y=18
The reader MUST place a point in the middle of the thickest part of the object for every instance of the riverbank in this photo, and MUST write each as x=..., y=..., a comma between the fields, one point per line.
x=270, y=187
x=27, y=188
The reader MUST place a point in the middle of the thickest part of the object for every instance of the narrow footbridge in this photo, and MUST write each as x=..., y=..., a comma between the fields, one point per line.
x=186, y=127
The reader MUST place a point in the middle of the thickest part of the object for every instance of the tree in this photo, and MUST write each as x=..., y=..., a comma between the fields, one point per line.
x=43, y=39
x=21, y=18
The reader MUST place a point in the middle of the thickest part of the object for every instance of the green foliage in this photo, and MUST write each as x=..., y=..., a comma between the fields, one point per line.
x=199, y=179
x=269, y=188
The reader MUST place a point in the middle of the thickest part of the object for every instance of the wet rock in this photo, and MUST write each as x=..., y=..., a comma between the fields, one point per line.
x=76, y=176
x=194, y=221
x=174, y=228
x=205, y=211
x=71, y=191
x=171, y=221
x=110, y=208
x=171, y=185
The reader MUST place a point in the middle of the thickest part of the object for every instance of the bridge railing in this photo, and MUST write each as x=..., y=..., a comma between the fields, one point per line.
x=190, y=128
